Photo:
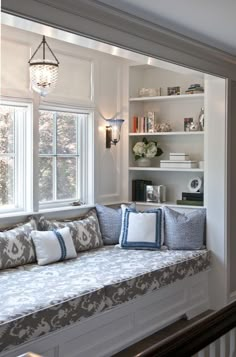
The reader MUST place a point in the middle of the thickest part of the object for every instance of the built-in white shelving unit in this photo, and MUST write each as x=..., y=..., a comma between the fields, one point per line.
x=167, y=203
x=172, y=110
x=169, y=133
x=137, y=168
x=167, y=98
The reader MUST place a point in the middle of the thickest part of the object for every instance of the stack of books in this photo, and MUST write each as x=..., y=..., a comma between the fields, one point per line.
x=145, y=124
x=194, y=89
x=139, y=190
x=191, y=199
x=178, y=161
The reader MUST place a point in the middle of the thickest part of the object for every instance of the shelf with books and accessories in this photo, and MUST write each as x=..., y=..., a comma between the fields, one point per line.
x=167, y=203
x=180, y=97
x=169, y=133
x=173, y=121
x=136, y=168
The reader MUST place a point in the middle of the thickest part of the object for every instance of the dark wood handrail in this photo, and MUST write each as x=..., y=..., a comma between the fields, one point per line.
x=194, y=338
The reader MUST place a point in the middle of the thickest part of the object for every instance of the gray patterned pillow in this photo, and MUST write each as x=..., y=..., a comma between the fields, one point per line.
x=85, y=231
x=110, y=220
x=184, y=230
x=16, y=246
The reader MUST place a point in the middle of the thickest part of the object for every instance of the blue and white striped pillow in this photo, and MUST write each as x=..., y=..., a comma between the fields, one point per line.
x=53, y=246
x=141, y=230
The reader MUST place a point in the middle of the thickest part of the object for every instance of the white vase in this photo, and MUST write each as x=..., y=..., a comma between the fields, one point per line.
x=144, y=162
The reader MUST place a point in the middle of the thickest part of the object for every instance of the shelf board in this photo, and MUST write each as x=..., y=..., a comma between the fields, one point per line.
x=137, y=168
x=169, y=133
x=169, y=204
x=167, y=97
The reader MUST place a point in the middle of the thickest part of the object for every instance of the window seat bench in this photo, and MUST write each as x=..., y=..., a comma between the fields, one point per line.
x=100, y=302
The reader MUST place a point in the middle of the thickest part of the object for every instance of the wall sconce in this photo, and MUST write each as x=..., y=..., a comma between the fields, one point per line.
x=43, y=72
x=113, y=131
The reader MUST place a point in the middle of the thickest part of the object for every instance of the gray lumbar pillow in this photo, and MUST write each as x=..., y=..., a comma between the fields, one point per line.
x=110, y=223
x=184, y=230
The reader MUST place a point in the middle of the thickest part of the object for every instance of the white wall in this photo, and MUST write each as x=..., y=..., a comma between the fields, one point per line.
x=215, y=187
x=87, y=79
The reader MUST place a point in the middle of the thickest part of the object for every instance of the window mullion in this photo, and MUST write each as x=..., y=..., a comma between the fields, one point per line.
x=77, y=158
x=54, y=183
x=16, y=160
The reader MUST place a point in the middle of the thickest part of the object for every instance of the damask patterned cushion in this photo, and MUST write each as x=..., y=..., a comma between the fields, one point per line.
x=16, y=246
x=85, y=231
x=53, y=246
x=141, y=230
x=110, y=223
x=76, y=289
x=184, y=230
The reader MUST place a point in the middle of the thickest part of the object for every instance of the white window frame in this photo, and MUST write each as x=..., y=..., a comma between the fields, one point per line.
x=86, y=156
x=23, y=156
x=26, y=177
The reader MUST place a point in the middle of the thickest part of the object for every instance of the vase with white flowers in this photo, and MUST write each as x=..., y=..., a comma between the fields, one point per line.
x=145, y=150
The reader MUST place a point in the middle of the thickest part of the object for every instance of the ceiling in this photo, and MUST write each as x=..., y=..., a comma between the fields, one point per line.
x=210, y=21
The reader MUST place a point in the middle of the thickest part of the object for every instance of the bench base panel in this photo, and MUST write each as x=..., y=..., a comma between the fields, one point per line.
x=115, y=329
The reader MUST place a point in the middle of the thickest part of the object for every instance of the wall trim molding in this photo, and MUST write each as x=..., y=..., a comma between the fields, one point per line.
x=102, y=22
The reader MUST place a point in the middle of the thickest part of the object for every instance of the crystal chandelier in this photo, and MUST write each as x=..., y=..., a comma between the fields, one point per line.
x=43, y=72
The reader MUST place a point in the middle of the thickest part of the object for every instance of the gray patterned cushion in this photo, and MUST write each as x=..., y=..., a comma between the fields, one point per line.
x=16, y=246
x=85, y=231
x=74, y=291
x=184, y=230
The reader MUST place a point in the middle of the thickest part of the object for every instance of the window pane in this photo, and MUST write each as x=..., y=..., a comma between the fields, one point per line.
x=46, y=132
x=45, y=179
x=6, y=130
x=6, y=181
x=66, y=133
x=66, y=178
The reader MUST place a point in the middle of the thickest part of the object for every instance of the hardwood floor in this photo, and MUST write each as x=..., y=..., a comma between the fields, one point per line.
x=138, y=347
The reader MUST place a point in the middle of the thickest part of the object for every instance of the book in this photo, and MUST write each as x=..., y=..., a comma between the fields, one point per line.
x=139, y=190
x=189, y=203
x=135, y=124
x=179, y=157
x=152, y=118
x=195, y=196
x=185, y=164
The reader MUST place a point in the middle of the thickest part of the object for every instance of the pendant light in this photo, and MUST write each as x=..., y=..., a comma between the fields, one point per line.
x=43, y=72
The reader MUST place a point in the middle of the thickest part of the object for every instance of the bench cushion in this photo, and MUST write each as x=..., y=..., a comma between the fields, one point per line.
x=36, y=300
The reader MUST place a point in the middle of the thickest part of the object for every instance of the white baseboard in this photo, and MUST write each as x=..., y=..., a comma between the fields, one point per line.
x=113, y=330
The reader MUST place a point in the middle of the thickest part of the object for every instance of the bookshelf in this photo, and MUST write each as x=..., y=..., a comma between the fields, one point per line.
x=136, y=168
x=169, y=133
x=172, y=110
x=168, y=98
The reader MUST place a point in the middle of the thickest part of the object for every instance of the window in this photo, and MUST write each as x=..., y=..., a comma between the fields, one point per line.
x=59, y=155
x=61, y=174
x=12, y=158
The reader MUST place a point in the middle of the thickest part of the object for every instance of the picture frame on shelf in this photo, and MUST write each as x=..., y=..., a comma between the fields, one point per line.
x=173, y=90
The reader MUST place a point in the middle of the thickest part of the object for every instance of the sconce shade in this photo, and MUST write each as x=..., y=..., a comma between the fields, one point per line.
x=113, y=131
x=43, y=72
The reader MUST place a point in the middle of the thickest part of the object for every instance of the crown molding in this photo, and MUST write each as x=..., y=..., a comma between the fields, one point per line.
x=102, y=22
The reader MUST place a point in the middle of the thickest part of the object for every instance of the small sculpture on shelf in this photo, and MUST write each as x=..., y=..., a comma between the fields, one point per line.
x=201, y=120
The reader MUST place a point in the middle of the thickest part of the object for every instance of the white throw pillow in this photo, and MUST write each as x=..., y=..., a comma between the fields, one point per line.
x=53, y=246
x=141, y=230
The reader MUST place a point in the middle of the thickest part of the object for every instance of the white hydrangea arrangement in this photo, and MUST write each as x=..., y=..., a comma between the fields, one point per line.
x=145, y=148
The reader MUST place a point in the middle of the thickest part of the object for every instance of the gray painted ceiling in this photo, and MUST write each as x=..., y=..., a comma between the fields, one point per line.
x=210, y=21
